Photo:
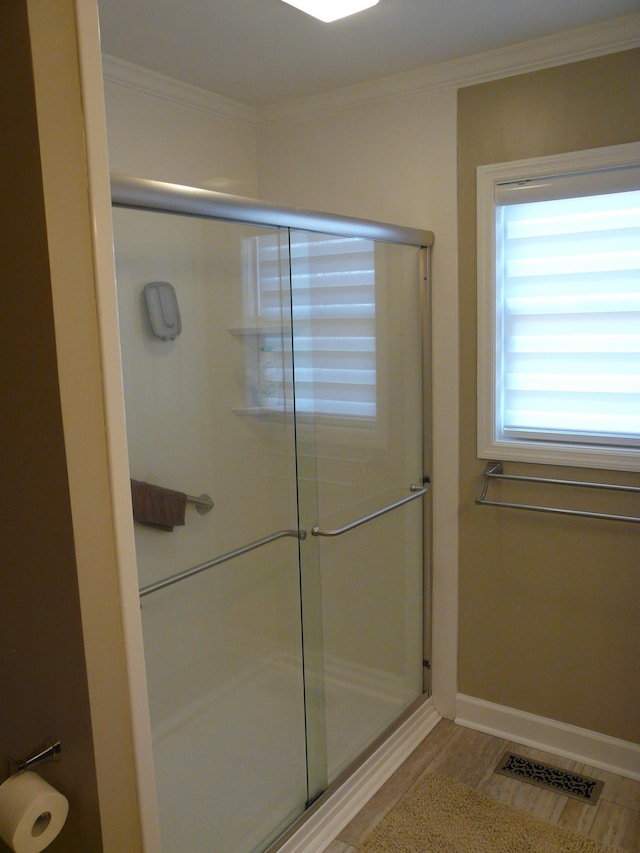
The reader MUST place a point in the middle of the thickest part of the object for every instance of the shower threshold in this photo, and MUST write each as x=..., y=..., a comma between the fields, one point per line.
x=344, y=798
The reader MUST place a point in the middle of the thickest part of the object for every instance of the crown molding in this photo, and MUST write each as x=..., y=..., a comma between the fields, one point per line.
x=156, y=85
x=611, y=36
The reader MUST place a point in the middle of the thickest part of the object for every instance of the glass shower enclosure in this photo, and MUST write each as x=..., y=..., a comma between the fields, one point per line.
x=274, y=374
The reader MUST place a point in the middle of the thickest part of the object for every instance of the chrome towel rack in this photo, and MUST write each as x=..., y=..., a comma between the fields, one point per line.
x=202, y=503
x=495, y=471
x=416, y=492
x=216, y=561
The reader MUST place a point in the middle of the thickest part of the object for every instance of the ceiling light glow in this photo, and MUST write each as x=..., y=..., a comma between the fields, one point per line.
x=331, y=10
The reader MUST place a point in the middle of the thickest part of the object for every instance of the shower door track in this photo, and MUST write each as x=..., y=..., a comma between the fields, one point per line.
x=144, y=194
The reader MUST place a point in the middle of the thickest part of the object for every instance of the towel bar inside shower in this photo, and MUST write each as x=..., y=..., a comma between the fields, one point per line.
x=202, y=503
x=494, y=471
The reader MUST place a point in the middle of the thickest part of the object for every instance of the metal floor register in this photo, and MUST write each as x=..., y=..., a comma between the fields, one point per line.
x=561, y=781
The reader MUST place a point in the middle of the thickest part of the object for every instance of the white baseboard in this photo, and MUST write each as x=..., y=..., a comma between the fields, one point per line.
x=322, y=825
x=598, y=750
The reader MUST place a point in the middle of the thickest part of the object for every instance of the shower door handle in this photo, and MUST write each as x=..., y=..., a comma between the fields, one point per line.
x=416, y=492
x=223, y=558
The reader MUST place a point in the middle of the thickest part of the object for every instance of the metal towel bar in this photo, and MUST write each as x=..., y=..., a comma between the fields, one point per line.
x=202, y=503
x=416, y=492
x=495, y=472
x=187, y=573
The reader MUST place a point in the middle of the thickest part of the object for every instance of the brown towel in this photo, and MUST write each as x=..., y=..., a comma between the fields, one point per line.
x=157, y=506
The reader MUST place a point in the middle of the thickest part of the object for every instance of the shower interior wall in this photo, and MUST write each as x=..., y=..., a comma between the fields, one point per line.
x=173, y=136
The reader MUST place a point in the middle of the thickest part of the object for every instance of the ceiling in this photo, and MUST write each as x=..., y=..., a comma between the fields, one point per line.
x=263, y=52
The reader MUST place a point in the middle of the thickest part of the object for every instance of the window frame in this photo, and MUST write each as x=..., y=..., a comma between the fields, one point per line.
x=491, y=445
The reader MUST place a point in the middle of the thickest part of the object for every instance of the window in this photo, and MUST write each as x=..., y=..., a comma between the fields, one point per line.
x=559, y=309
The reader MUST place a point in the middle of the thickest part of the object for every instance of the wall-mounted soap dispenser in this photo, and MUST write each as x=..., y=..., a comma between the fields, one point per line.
x=162, y=309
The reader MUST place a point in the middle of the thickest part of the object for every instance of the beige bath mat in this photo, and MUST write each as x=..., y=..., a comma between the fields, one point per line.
x=438, y=814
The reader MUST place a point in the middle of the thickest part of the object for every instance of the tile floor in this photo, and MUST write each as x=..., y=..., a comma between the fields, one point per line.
x=470, y=757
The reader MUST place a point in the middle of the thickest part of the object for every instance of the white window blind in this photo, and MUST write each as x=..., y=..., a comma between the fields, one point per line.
x=559, y=309
x=334, y=322
x=568, y=286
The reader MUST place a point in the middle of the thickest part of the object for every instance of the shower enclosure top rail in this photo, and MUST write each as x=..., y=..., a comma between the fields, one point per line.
x=216, y=561
x=173, y=198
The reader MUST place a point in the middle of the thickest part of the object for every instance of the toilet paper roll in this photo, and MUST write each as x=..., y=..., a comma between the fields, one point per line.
x=32, y=813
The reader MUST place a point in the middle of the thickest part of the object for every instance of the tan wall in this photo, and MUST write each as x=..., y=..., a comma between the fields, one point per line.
x=548, y=605
x=44, y=683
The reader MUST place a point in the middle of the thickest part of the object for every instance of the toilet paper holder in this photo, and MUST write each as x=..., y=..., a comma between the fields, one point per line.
x=50, y=749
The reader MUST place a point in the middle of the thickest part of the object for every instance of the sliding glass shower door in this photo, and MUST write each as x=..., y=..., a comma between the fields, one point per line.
x=357, y=338
x=223, y=646
x=273, y=384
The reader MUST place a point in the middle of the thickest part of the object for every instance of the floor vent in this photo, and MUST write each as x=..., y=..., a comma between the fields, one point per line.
x=553, y=778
